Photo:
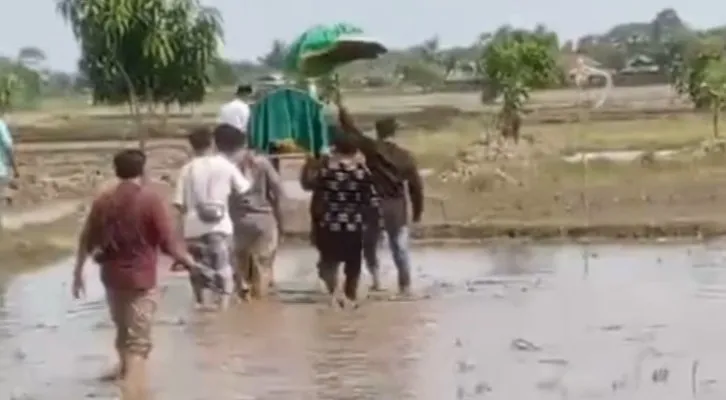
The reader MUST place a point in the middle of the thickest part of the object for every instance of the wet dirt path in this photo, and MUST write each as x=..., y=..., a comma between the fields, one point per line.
x=507, y=322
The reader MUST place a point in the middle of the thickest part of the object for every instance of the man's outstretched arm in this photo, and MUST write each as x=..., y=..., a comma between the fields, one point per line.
x=366, y=145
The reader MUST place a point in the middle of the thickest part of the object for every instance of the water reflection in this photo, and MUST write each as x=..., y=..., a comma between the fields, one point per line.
x=707, y=270
x=513, y=259
x=641, y=311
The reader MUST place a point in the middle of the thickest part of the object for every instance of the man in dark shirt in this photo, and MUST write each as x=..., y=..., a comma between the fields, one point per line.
x=393, y=169
x=127, y=226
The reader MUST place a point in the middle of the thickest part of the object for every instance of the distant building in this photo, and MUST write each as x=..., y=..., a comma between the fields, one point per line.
x=568, y=61
x=640, y=64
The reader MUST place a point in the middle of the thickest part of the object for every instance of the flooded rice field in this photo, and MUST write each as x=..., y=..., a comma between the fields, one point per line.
x=505, y=322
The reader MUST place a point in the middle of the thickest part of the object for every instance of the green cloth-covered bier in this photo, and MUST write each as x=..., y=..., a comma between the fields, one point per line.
x=288, y=114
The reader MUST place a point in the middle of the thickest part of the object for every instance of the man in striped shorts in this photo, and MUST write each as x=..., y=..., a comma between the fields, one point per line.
x=202, y=197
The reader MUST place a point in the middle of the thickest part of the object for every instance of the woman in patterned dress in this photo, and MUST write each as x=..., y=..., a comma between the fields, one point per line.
x=347, y=201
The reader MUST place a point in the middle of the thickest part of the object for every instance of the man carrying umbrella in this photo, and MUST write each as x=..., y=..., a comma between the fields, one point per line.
x=317, y=53
x=394, y=170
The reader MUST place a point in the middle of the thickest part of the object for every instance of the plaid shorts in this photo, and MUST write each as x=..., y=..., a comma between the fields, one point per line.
x=213, y=253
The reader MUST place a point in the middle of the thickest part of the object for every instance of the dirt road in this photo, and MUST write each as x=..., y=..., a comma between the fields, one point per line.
x=505, y=322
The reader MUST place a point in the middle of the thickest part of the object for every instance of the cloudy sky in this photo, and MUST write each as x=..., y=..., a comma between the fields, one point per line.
x=251, y=25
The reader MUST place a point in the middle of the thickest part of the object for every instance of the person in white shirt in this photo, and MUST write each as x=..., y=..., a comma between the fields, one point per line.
x=202, y=198
x=237, y=111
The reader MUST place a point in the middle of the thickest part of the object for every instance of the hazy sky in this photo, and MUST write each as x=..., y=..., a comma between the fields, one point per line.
x=251, y=25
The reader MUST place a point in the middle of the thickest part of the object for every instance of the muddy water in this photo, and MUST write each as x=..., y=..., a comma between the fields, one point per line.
x=509, y=322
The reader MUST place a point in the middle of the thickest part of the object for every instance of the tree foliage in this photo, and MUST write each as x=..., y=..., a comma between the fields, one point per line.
x=275, y=58
x=425, y=75
x=516, y=62
x=141, y=39
x=690, y=69
x=31, y=55
x=9, y=87
x=714, y=87
x=20, y=85
x=144, y=51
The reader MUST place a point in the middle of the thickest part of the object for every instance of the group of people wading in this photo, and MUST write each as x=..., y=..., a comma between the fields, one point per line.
x=227, y=200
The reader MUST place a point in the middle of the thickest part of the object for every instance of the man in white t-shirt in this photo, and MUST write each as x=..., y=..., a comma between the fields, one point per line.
x=202, y=198
x=237, y=111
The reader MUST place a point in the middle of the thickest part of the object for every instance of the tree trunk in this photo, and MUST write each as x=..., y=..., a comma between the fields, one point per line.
x=165, y=117
x=716, y=117
x=510, y=122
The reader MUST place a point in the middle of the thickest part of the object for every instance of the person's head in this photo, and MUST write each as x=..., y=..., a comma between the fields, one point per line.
x=129, y=164
x=200, y=139
x=386, y=128
x=243, y=91
x=343, y=144
x=229, y=139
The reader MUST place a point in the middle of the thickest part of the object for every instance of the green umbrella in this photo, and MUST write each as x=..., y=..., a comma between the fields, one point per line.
x=322, y=48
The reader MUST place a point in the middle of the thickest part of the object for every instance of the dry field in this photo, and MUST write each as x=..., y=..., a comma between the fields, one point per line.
x=68, y=120
x=476, y=185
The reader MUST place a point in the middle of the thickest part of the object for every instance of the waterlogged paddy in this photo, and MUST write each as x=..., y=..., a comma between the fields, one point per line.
x=508, y=322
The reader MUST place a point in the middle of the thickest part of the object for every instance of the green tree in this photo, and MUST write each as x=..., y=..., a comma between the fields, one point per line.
x=516, y=62
x=10, y=85
x=222, y=73
x=714, y=86
x=275, y=58
x=428, y=51
x=689, y=69
x=420, y=73
x=31, y=55
x=21, y=84
x=144, y=51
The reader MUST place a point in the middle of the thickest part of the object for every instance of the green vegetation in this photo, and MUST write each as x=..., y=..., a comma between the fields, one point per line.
x=148, y=52
x=20, y=83
x=160, y=53
x=516, y=62
x=714, y=84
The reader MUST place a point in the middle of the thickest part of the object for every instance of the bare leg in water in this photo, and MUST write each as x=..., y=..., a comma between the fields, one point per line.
x=116, y=373
x=135, y=384
x=328, y=273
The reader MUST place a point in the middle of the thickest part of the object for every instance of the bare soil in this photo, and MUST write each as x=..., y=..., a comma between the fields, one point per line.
x=475, y=188
x=119, y=127
x=431, y=111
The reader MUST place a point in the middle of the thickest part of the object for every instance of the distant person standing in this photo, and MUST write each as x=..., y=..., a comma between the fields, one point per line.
x=127, y=226
x=237, y=111
x=7, y=163
x=202, y=198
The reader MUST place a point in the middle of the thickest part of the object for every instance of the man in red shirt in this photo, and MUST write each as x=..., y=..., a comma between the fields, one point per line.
x=124, y=231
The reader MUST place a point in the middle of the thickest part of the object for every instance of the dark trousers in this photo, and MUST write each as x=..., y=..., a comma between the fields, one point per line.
x=336, y=248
